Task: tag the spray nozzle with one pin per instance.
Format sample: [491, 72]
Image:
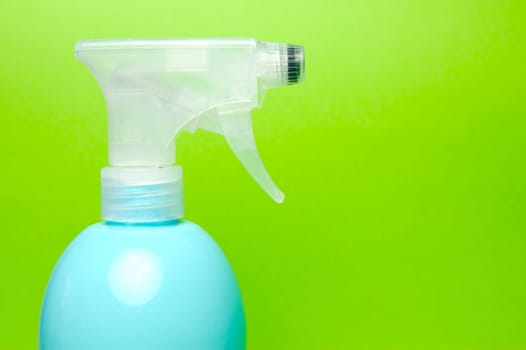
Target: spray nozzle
[156, 88]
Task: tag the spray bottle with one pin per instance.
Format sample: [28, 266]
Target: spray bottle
[144, 279]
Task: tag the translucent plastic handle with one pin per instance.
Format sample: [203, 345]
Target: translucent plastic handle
[237, 129]
[155, 88]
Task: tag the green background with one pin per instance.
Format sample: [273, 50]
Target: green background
[402, 158]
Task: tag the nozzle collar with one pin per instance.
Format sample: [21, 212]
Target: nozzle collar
[133, 195]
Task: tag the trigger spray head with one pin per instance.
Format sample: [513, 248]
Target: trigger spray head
[156, 88]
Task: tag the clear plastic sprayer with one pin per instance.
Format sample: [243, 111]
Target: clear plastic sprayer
[156, 88]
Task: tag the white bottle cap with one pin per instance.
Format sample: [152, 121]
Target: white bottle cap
[142, 194]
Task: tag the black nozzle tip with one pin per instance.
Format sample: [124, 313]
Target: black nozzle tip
[295, 64]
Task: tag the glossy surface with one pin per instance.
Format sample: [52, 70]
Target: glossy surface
[142, 287]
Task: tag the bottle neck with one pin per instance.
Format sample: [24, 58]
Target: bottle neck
[133, 195]
[143, 224]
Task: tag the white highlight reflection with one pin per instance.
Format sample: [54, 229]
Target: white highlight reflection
[135, 276]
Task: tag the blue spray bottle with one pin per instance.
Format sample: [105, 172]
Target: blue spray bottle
[143, 279]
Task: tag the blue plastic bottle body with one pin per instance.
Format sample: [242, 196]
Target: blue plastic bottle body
[142, 287]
